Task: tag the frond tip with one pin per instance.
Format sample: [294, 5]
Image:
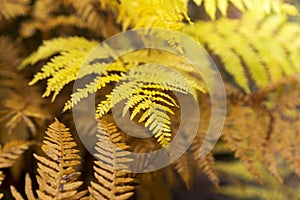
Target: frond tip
[57, 177]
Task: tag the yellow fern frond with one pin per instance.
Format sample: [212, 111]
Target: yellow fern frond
[57, 175]
[263, 6]
[113, 182]
[132, 13]
[256, 51]
[11, 9]
[92, 87]
[72, 53]
[11, 151]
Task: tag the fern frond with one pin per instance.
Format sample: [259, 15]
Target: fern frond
[13, 59]
[250, 50]
[57, 174]
[11, 151]
[183, 168]
[17, 109]
[132, 14]
[2, 176]
[92, 87]
[72, 53]
[95, 17]
[113, 182]
[207, 163]
[138, 97]
[263, 6]
[11, 9]
[29, 28]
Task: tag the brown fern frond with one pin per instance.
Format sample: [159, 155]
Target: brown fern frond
[28, 188]
[11, 151]
[8, 61]
[17, 108]
[13, 8]
[29, 28]
[95, 17]
[184, 169]
[113, 181]
[57, 176]
[15, 193]
[2, 176]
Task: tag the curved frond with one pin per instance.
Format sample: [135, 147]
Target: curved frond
[62, 68]
[57, 177]
[263, 6]
[256, 51]
[113, 182]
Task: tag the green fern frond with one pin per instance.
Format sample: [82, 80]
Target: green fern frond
[250, 49]
[57, 174]
[11, 151]
[113, 182]
[263, 6]
[11, 9]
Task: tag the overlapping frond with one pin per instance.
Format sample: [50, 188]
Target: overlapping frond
[57, 175]
[140, 88]
[253, 49]
[11, 9]
[112, 181]
[265, 6]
